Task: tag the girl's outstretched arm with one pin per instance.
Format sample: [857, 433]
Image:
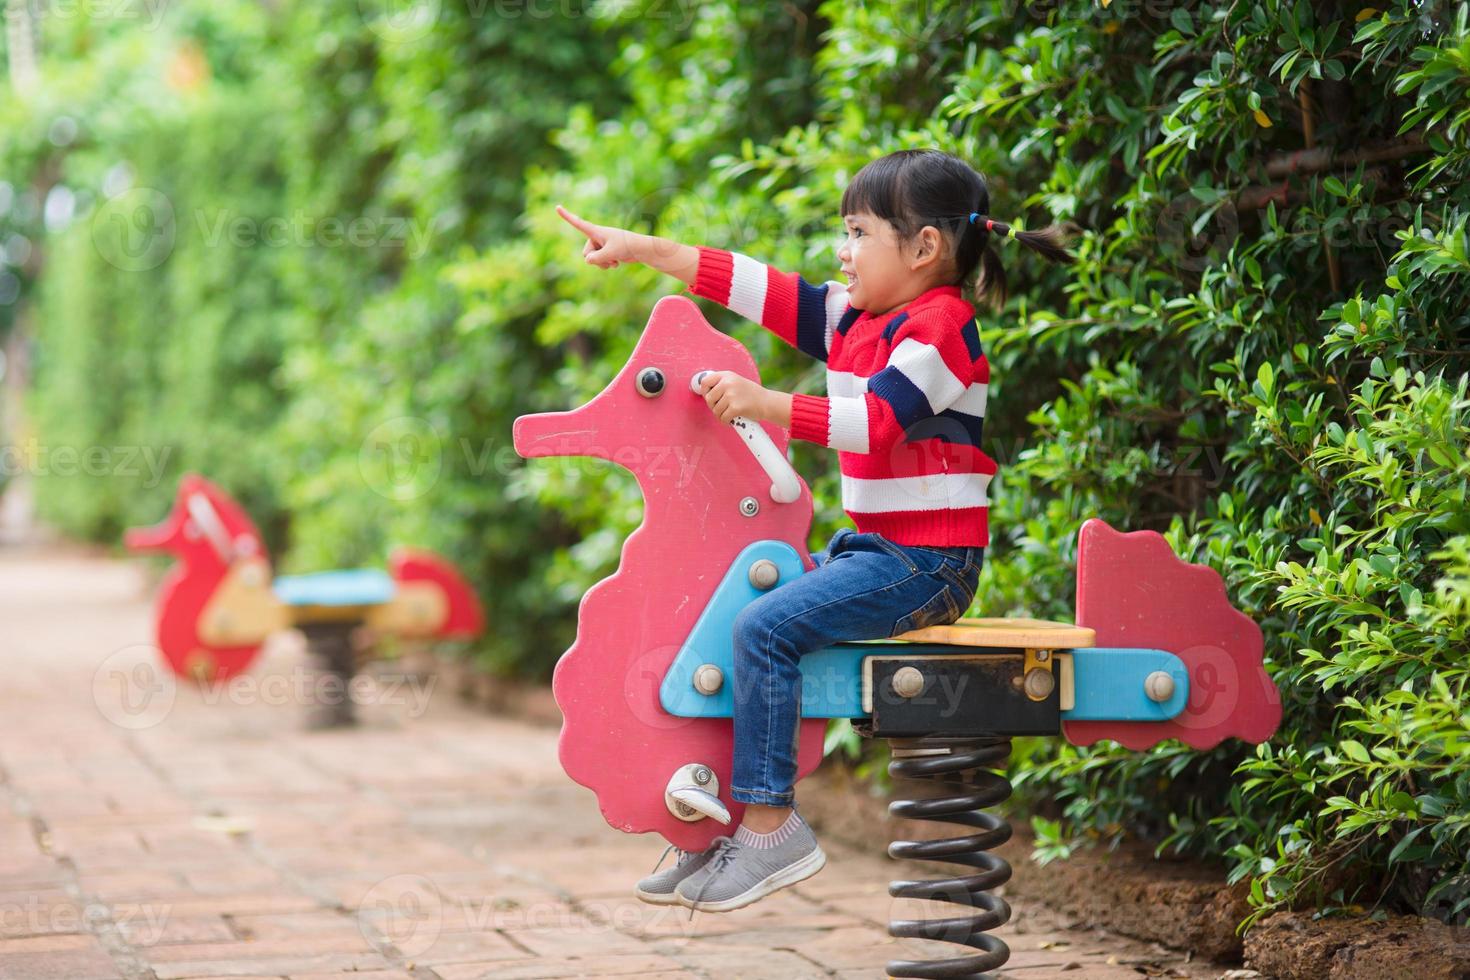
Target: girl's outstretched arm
[803, 314]
[727, 393]
[607, 247]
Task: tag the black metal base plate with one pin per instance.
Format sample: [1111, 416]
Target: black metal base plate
[970, 695]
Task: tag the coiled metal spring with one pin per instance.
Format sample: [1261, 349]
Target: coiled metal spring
[968, 767]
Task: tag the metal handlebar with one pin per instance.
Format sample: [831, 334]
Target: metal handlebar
[785, 484]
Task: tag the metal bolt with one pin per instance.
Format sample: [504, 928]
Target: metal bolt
[764, 574]
[702, 775]
[708, 679]
[1039, 684]
[908, 682]
[1042, 656]
[749, 506]
[1159, 686]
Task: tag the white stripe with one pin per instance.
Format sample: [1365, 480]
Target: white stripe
[847, 424]
[939, 491]
[921, 364]
[972, 402]
[836, 306]
[845, 384]
[748, 287]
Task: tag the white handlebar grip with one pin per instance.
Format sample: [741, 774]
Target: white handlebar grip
[785, 485]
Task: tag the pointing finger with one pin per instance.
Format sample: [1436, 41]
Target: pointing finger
[585, 227]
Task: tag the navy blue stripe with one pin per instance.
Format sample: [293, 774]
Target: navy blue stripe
[972, 339]
[893, 326]
[811, 319]
[848, 319]
[894, 387]
[948, 426]
[961, 428]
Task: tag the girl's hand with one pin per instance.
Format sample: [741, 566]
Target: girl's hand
[606, 247]
[729, 394]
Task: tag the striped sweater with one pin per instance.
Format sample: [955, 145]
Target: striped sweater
[905, 398]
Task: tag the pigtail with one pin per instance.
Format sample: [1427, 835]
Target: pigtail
[1050, 243]
[990, 284]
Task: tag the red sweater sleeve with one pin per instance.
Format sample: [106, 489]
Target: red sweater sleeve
[793, 309]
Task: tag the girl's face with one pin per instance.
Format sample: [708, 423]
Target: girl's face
[882, 272]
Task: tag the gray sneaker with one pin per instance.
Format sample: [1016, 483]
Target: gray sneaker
[738, 874]
[659, 887]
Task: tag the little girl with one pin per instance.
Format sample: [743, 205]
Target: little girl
[906, 388]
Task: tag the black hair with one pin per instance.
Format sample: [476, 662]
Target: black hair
[913, 188]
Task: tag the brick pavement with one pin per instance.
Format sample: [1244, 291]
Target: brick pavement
[152, 832]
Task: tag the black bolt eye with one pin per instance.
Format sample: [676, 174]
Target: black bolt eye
[650, 382]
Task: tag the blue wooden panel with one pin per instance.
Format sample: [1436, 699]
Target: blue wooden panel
[1108, 681]
[711, 641]
[359, 587]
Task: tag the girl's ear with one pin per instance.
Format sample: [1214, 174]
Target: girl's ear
[928, 249]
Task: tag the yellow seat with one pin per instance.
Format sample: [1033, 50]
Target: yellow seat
[1017, 633]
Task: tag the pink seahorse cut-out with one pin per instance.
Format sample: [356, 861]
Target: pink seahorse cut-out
[694, 471]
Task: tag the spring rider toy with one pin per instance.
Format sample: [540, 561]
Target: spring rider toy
[218, 605]
[1157, 651]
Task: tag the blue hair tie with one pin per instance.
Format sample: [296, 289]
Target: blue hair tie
[990, 224]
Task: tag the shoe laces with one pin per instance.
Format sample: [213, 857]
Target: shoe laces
[683, 856]
[725, 849]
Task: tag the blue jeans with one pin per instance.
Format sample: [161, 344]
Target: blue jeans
[864, 587]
